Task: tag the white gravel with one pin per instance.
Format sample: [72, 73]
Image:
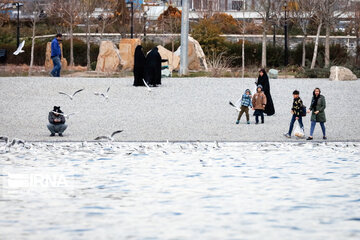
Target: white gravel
[182, 109]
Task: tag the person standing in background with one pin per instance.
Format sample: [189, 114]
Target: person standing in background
[56, 55]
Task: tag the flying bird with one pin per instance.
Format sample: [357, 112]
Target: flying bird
[147, 86]
[233, 105]
[19, 49]
[104, 95]
[109, 138]
[65, 115]
[72, 96]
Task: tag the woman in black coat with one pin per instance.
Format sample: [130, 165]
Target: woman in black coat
[153, 67]
[139, 66]
[263, 80]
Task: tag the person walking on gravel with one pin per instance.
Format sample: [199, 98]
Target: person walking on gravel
[245, 102]
[56, 55]
[318, 105]
[296, 112]
[259, 103]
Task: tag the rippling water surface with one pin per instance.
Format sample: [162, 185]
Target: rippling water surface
[180, 191]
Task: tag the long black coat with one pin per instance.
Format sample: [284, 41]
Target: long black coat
[264, 82]
[139, 66]
[153, 67]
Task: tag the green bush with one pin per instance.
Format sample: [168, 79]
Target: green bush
[168, 46]
[93, 65]
[80, 57]
[314, 73]
[24, 58]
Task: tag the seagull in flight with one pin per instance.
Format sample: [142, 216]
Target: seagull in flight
[72, 96]
[65, 115]
[233, 105]
[147, 86]
[104, 95]
[20, 48]
[109, 138]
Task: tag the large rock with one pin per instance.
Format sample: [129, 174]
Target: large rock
[109, 59]
[48, 61]
[127, 50]
[173, 59]
[341, 74]
[196, 56]
[273, 73]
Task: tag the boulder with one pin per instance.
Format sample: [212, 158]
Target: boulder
[109, 59]
[127, 50]
[341, 74]
[273, 73]
[49, 63]
[173, 59]
[196, 56]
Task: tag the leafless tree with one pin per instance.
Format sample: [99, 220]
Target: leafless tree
[36, 11]
[331, 11]
[109, 14]
[302, 13]
[269, 10]
[88, 7]
[4, 11]
[357, 30]
[69, 11]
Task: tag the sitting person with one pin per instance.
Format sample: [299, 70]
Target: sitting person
[56, 122]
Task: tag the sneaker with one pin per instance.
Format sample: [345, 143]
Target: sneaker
[324, 137]
[52, 135]
[248, 122]
[287, 135]
[60, 135]
[237, 122]
[309, 138]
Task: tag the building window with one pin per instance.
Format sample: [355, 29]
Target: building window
[237, 5]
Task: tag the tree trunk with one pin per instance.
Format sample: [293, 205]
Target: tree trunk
[303, 61]
[263, 53]
[103, 28]
[32, 46]
[71, 44]
[357, 32]
[327, 46]
[88, 42]
[243, 49]
[316, 46]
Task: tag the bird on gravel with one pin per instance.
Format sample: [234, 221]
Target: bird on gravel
[104, 95]
[109, 138]
[5, 139]
[72, 96]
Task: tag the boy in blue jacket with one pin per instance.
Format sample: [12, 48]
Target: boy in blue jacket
[245, 103]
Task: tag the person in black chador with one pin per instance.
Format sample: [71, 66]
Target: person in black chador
[139, 66]
[153, 67]
[263, 80]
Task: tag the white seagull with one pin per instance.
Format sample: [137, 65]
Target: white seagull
[19, 49]
[103, 94]
[72, 96]
[233, 105]
[5, 139]
[147, 86]
[109, 138]
[65, 115]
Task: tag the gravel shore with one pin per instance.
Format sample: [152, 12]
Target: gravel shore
[182, 109]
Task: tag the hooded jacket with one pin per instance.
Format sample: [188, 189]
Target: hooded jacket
[259, 100]
[245, 99]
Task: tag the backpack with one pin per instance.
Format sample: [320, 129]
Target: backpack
[303, 111]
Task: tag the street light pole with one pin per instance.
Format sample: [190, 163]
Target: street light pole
[286, 55]
[18, 25]
[145, 25]
[184, 38]
[132, 20]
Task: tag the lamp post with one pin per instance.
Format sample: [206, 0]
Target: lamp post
[286, 55]
[130, 5]
[17, 5]
[145, 25]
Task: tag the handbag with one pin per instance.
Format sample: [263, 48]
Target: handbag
[303, 111]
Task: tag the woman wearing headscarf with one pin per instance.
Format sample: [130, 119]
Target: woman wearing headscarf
[318, 105]
[263, 80]
[153, 67]
[139, 66]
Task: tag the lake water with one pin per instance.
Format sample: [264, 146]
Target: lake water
[180, 191]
